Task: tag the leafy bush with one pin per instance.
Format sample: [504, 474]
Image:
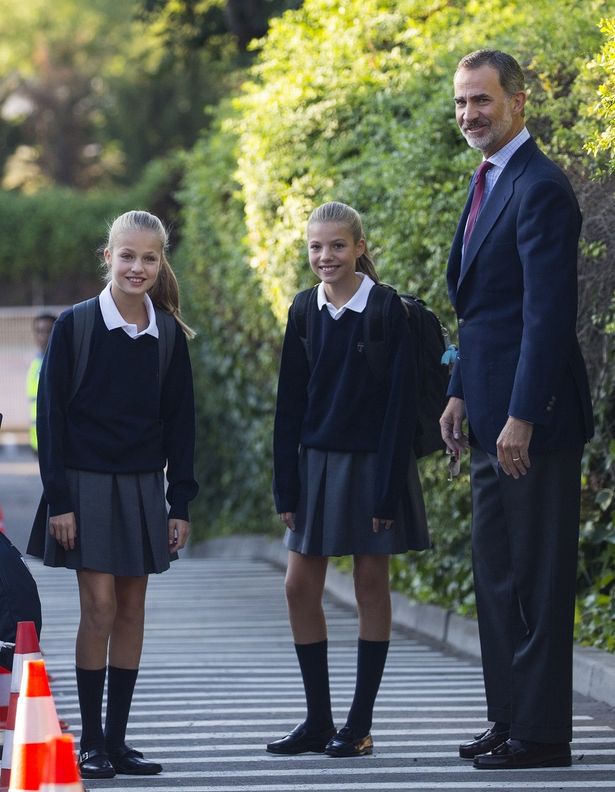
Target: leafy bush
[602, 111]
[233, 357]
[49, 240]
[352, 100]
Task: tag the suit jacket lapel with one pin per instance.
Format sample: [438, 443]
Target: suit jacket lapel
[499, 197]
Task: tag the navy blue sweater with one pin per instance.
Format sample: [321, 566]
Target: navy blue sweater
[341, 406]
[118, 421]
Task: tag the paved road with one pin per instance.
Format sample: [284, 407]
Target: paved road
[20, 491]
[219, 679]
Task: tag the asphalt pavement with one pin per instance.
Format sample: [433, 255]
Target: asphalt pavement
[219, 679]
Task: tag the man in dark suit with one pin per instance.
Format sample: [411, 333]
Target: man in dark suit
[520, 382]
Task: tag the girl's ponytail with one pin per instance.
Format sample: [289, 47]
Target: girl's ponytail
[165, 294]
[366, 265]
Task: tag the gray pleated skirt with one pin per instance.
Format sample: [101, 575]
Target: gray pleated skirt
[121, 524]
[336, 506]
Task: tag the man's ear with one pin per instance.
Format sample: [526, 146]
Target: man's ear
[518, 102]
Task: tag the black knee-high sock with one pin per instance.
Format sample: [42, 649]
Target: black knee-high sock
[90, 687]
[371, 657]
[315, 672]
[119, 698]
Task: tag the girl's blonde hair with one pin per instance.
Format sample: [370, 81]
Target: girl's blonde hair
[165, 291]
[337, 212]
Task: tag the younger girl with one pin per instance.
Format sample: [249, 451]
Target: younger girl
[353, 488]
[102, 451]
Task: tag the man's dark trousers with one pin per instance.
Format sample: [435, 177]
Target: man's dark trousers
[524, 546]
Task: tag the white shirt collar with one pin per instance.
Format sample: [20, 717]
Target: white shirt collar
[503, 155]
[500, 159]
[114, 319]
[356, 303]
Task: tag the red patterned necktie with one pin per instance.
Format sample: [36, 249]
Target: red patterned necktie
[479, 191]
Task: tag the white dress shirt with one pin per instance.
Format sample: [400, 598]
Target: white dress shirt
[500, 159]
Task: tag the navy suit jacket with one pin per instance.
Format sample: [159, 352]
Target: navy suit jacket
[515, 293]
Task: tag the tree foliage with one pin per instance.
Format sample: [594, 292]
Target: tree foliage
[91, 92]
[192, 23]
[352, 100]
[51, 60]
[602, 112]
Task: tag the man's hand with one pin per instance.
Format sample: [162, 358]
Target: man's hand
[512, 445]
[63, 528]
[451, 426]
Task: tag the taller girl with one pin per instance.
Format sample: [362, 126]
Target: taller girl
[105, 437]
[353, 488]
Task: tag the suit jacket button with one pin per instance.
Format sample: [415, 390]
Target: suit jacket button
[461, 322]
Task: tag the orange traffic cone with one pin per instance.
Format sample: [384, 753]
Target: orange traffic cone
[60, 773]
[26, 648]
[5, 694]
[35, 723]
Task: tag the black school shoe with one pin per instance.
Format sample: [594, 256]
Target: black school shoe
[483, 743]
[128, 761]
[95, 764]
[348, 743]
[519, 754]
[300, 740]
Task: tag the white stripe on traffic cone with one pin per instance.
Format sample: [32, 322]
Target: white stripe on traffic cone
[5, 694]
[26, 648]
[36, 721]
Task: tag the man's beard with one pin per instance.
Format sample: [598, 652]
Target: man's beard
[491, 134]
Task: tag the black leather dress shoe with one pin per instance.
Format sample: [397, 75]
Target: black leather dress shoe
[95, 764]
[128, 761]
[348, 743]
[520, 754]
[300, 740]
[482, 743]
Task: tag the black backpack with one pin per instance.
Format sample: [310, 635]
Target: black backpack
[19, 600]
[432, 345]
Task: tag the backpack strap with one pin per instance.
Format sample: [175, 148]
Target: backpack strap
[376, 328]
[302, 316]
[166, 341]
[84, 314]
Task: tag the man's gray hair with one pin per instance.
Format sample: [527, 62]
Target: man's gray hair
[510, 73]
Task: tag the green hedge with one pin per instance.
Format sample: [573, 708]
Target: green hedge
[50, 239]
[233, 357]
[352, 100]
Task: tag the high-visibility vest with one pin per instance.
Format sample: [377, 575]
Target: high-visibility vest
[32, 378]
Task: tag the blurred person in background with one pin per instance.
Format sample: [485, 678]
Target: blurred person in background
[41, 327]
